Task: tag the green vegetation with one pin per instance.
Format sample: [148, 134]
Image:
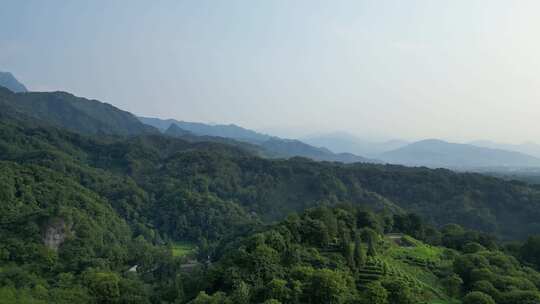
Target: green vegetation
[113, 219]
[182, 249]
[73, 113]
[306, 260]
[165, 167]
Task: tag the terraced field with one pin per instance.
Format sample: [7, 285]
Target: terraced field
[414, 264]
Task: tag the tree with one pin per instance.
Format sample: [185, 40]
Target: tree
[347, 248]
[277, 289]
[465, 264]
[349, 252]
[104, 286]
[328, 287]
[366, 219]
[241, 293]
[521, 297]
[473, 247]
[316, 232]
[204, 298]
[399, 292]
[411, 224]
[530, 251]
[374, 293]
[453, 284]
[477, 297]
[370, 236]
[487, 288]
[359, 255]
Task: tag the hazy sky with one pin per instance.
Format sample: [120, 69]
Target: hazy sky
[458, 70]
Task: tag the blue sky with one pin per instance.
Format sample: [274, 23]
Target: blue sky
[458, 70]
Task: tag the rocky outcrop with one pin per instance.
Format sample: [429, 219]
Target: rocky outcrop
[55, 232]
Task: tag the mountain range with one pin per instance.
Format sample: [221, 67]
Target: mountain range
[39, 128]
[343, 142]
[227, 131]
[476, 155]
[526, 148]
[98, 207]
[94, 117]
[432, 153]
[438, 153]
[270, 146]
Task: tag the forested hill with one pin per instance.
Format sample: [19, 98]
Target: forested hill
[341, 255]
[89, 217]
[270, 189]
[168, 169]
[73, 113]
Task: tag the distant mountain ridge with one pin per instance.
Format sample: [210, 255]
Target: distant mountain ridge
[342, 142]
[73, 113]
[438, 153]
[7, 80]
[94, 117]
[88, 116]
[228, 131]
[272, 146]
[530, 148]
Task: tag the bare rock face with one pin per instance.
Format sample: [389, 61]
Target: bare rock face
[55, 232]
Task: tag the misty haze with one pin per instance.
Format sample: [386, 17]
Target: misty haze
[272, 152]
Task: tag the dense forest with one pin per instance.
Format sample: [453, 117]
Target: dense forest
[90, 215]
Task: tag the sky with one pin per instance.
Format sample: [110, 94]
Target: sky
[458, 70]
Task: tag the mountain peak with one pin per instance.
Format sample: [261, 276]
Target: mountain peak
[9, 81]
[74, 113]
[431, 141]
[439, 153]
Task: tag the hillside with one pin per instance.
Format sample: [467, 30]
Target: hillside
[269, 152]
[97, 218]
[437, 153]
[273, 147]
[62, 242]
[73, 113]
[7, 80]
[271, 189]
[176, 132]
[341, 255]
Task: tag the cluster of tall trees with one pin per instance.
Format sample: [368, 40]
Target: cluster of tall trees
[331, 255]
